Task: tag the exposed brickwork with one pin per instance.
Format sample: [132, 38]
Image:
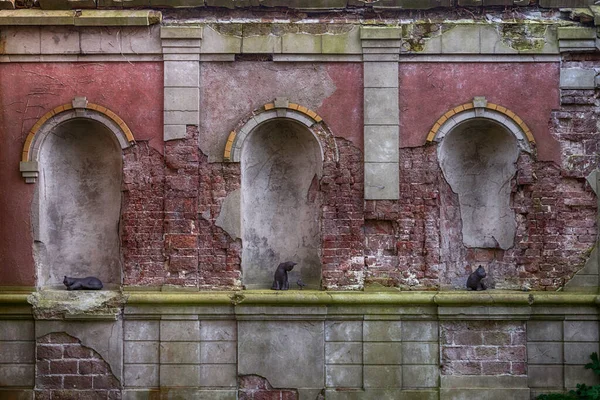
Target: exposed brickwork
[406, 255]
[67, 370]
[219, 255]
[483, 348]
[142, 216]
[180, 207]
[254, 387]
[170, 206]
[342, 219]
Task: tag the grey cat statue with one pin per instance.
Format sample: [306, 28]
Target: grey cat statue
[475, 280]
[88, 283]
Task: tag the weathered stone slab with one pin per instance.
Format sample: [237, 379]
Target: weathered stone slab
[17, 375]
[16, 330]
[382, 376]
[577, 78]
[545, 376]
[218, 352]
[581, 331]
[343, 352]
[342, 331]
[381, 143]
[544, 352]
[180, 330]
[382, 331]
[381, 181]
[420, 331]
[220, 375]
[140, 352]
[264, 349]
[346, 376]
[140, 375]
[544, 330]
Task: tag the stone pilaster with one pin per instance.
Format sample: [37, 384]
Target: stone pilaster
[381, 49]
[181, 54]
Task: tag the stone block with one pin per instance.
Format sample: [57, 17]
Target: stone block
[141, 40]
[381, 106]
[544, 352]
[181, 118]
[420, 331]
[17, 375]
[264, 349]
[577, 78]
[60, 40]
[382, 331]
[141, 330]
[140, 375]
[17, 352]
[346, 43]
[343, 352]
[223, 375]
[268, 44]
[579, 352]
[140, 352]
[218, 352]
[343, 331]
[21, 40]
[346, 376]
[420, 376]
[116, 18]
[216, 42]
[576, 32]
[576, 374]
[301, 43]
[218, 330]
[383, 353]
[100, 41]
[179, 375]
[382, 376]
[461, 39]
[179, 352]
[487, 394]
[174, 132]
[375, 33]
[380, 74]
[21, 330]
[181, 32]
[420, 353]
[382, 181]
[381, 143]
[182, 99]
[179, 330]
[581, 331]
[542, 331]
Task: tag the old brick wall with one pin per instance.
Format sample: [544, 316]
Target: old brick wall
[170, 208]
[65, 369]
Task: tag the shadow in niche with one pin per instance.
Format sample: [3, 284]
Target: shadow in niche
[281, 164]
[76, 221]
[478, 159]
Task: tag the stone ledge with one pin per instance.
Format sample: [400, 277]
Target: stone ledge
[489, 298]
[79, 18]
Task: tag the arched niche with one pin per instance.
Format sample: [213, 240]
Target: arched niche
[478, 159]
[281, 163]
[78, 199]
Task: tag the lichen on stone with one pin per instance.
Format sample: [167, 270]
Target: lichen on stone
[523, 36]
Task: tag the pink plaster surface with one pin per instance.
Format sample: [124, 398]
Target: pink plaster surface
[27, 92]
[530, 90]
[343, 110]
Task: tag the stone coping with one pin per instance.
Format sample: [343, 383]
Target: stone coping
[488, 298]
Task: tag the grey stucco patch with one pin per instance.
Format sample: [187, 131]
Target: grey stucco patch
[229, 217]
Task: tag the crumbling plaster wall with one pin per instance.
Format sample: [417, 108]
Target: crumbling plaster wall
[27, 92]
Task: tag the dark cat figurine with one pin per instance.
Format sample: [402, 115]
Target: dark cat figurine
[475, 280]
[280, 282]
[89, 283]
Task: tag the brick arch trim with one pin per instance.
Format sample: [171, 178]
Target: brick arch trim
[79, 108]
[480, 108]
[278, 109]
